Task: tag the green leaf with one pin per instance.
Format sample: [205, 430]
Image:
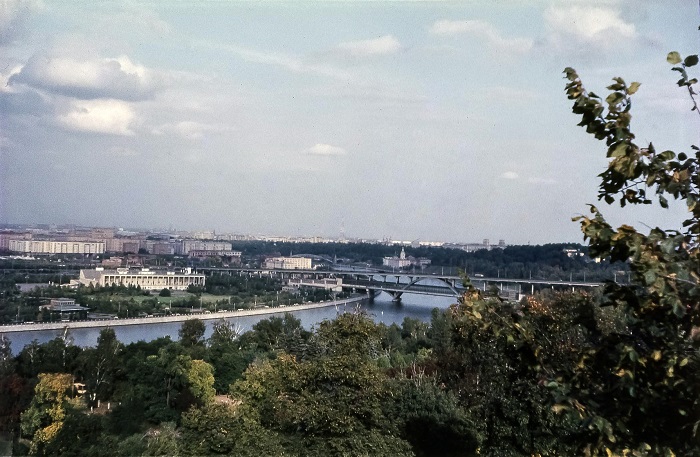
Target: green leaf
[673, 58]
[690, 61]
[614, 98]
[633, 88]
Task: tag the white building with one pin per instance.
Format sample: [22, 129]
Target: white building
[288, 263]
[397, 262]
[146, 278]
[57, 247]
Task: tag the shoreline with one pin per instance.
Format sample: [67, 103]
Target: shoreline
[15, 328]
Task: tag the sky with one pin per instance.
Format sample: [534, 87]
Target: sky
[405, 120]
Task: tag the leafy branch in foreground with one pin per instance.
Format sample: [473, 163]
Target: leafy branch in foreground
[637, 393]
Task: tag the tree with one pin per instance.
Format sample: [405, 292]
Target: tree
[44, 418]
[226, 356]
[192, 332]
[639, 391]
[7, 363]
[227, 429]
[100, 365]
[328, 400]
[164, 293]
[497, 364]
[277, 333]
[200, 380]
[223, 335]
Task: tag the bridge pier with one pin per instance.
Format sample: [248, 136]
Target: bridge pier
[395, 296]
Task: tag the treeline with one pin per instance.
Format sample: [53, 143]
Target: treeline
[483, 377]
[548, 261]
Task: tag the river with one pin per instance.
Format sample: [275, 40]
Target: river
[381, 310]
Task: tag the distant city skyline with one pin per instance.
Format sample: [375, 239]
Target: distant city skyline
[410, 120]
[204, 234]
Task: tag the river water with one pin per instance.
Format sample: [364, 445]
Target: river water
[381, 310]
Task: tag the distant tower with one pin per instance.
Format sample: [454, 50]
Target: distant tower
[403, 254]
[342, 232]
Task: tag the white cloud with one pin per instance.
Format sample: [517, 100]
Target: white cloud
[483, 31]
[572, 27]
[117, 78]
[325, 150]
[376, 46]
[509, 175]
[100, 116]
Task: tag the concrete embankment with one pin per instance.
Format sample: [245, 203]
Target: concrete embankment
[174, 318]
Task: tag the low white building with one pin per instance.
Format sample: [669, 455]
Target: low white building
[145, 278]
[288, 263]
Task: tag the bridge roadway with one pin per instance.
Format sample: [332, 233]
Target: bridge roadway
[393, 289]
[366, 280]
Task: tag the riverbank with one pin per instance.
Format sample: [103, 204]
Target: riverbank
[14, 328]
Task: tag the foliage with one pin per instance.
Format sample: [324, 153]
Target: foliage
[225, 429]
[285, 333]
[497, 362]
[200, 380]
[44, 418]
[652, 370]
[100, 365]
[430, 418]
[329, 402]
[192, 332]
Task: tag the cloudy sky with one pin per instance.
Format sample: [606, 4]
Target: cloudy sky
[410, 120]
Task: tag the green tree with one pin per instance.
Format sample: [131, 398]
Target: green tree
[226, 355]
[639, 391]
[329, 400]
[200, 380]
[192, 333]
[162, 441]
[227, 429]
[223, 335]
[430, 418]
[496, 364]
[100, 365]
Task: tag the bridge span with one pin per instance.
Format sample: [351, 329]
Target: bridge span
[396, 284]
